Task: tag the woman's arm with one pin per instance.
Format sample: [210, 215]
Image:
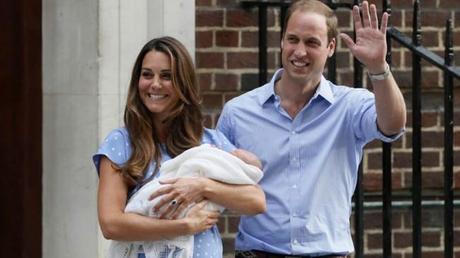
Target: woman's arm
[246, 199]
[118, 225]
[182, 191]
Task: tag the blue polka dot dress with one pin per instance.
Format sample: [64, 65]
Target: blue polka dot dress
[117, 148]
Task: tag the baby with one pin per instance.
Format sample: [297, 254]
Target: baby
[239, 167]
[247, 157]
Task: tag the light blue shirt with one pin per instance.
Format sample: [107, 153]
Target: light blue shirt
[310, 165]
[117, 148]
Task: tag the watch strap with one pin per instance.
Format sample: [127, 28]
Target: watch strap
[380, 76]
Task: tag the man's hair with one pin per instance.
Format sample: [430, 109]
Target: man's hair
[314, 6]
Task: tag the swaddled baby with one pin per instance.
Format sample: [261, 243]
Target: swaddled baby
[203, 161]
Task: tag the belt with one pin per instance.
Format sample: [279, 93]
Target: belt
[263, 254]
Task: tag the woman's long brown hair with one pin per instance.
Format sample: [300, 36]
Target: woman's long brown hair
[184, 123]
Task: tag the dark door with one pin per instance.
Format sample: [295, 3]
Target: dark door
[21, 128]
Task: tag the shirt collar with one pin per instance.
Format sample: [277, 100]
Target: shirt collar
[324, 89]
[268, 90]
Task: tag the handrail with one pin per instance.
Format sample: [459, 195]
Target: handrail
[277, 3]
[416, 200]
[423, 52]
[392, 31]
[408, 204]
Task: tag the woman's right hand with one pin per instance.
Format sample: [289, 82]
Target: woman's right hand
[199, 219]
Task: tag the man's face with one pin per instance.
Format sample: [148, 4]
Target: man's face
[305, 47]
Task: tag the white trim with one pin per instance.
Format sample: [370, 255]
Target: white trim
[124, 27]
[173, 18]
[89, 49]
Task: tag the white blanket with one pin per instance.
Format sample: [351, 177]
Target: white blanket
[201, 161]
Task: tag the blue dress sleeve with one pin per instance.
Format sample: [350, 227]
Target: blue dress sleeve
[116, 147]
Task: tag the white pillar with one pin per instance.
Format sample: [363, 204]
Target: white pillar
[89, 48]
[125, 26]
[70, 124]
[173, 18]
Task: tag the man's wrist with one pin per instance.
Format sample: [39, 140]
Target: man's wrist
[381, 76]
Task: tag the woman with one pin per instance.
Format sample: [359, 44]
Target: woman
[163, 119]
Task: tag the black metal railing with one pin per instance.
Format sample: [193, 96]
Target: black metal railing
[416, 136]
[448, 144]
[419, 53]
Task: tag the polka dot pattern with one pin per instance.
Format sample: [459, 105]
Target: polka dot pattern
[208, 244]
[117, 148]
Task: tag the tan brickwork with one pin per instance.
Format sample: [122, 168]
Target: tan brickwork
[227, 64]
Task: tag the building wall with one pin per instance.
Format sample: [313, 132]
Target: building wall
[70, 74]
[88, 51]
[227, 63]
[89, 48]
[21, 128]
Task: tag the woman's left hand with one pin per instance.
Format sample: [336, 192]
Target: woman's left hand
[178, 194]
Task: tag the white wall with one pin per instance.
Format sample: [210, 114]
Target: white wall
[70, 72]
[124, 27]
[89, 48]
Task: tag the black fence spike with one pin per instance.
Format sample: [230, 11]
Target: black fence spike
[448, 145]
[387, 168]
[416, 137]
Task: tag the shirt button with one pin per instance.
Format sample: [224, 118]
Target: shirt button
[296, 242]
[294, 186]
[293, 132]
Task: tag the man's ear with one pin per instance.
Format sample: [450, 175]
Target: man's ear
[331, 47]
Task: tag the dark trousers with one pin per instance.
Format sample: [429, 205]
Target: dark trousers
[262, 254]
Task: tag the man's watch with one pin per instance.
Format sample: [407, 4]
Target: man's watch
[380, 76]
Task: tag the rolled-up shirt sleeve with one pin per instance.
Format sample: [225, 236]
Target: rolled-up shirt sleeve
[365, 119]
[224, 124]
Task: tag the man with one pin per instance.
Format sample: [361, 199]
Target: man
[310, 134]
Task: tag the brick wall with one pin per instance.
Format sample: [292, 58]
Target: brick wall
[227, 65]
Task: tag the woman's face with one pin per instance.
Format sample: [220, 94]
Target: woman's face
[155, 85]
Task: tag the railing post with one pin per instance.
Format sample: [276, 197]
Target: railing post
[418, 53]
[386, 167]
[332, 61]
[416, 138]
[262, 44]
[448, 146]
[332, 68]
[283, 10]
[359, 192]
[359, 214]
